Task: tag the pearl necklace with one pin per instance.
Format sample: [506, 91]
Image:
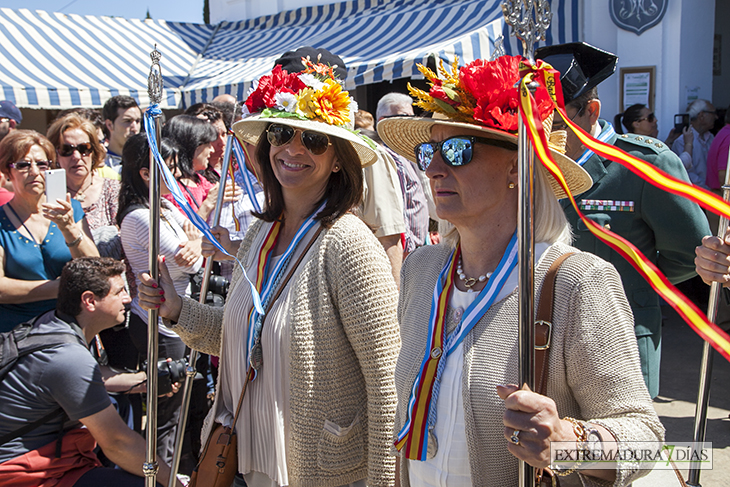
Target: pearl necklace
[470, 282]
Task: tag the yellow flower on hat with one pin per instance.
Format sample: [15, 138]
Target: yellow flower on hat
[329, 104]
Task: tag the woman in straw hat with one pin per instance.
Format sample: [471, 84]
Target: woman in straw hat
[320, 406]
[460, 418]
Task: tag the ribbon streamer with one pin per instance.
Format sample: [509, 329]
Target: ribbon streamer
[171, 183]
[686, 309]
[246, 175]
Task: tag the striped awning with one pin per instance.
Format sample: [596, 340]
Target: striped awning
[53, 60]
[378, 40]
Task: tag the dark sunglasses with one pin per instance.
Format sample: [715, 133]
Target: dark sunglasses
[67, 150]
[649, 118]
[455, 151]
[25, 165]
[315, 142]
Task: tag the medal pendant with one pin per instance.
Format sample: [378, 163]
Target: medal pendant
[433, 445]
[257, 356]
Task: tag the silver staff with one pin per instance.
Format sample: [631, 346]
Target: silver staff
[529, 20]
[703, 395]
[154, 89]
[190, 370]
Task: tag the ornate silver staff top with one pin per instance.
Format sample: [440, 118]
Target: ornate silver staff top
[529, 20]
[155, 84]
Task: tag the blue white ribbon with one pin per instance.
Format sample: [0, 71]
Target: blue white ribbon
[171, 183]
[246, 176]
[604, 136]
[271, 282]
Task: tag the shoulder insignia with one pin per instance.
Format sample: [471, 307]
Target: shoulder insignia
[643, 141]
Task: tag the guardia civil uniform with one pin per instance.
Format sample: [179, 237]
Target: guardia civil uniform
[665, 227]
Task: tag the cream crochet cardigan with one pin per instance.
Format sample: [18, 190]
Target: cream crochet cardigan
[344, 345]
[594, 370]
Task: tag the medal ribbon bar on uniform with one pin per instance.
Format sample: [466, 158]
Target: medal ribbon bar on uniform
[686, 309]
[266, 281]
[424, 394]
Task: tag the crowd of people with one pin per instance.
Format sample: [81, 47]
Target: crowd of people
[366, 329]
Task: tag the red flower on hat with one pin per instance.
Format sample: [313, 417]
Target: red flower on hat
[437, 91]
[279, 81]
[493, 85]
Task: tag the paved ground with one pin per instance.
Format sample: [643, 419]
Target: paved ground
[675, 405]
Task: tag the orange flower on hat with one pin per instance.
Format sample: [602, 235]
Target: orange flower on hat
[329, 104]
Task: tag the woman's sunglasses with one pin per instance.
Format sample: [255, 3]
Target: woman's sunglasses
[315, 142]
[455, 151]
[649, 118]
[24, 166]
[67, 150]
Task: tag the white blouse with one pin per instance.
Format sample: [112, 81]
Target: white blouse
[263, 424]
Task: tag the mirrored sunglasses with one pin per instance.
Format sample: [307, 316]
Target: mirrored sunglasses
[67, 150]
[25, 165]
[315, 142]
[455, 151]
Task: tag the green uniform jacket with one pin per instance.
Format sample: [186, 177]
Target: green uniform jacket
[666, 228]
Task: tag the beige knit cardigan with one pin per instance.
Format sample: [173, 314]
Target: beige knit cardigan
[344, 345]
[594, 370]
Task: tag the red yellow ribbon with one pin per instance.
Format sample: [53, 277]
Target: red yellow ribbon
[686, 309]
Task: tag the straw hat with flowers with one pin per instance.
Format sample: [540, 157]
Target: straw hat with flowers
[480, 96]
[309, 100]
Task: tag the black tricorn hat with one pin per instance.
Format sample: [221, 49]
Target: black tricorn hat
[581, 66]
[291, 61]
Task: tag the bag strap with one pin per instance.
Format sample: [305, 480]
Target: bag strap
[23, 430]
[544, 324]
[268, 308]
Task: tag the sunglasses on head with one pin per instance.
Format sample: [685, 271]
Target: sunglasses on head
[455, 151]
[315, 142]
[25, 165]
[67, 150]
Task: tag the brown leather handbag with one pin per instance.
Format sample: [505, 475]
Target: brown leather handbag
[218, 463]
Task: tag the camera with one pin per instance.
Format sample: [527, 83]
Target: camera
[681, 120]
[217, 288]
[169, 372]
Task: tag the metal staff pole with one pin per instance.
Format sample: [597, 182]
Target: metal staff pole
[154, 89]
[190, 370]
[528, 19]
[703, 395]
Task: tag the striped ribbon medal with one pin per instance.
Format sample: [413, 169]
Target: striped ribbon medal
[267, 281]
[606, 134]
[417, 436]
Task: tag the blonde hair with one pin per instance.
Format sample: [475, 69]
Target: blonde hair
[551, 224]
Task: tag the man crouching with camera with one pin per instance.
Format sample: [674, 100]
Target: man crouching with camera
[59, 392]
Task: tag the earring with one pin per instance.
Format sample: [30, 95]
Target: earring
[511, 185]
[337, 167]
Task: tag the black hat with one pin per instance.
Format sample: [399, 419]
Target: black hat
[291, 61]
[581, 66]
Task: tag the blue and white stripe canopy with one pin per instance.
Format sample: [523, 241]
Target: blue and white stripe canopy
[53, 60]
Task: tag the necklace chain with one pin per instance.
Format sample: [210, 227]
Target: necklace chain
[470, 282]
[79, 195]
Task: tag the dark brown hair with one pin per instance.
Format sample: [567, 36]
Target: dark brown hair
[75, 121]
[16, 145]
[343, 191]
[85, 274]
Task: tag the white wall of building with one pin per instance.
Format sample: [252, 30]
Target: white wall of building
[721, 83]
[680, 47]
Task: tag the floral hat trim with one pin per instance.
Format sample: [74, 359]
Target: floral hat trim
[313, 94]
[482, 93]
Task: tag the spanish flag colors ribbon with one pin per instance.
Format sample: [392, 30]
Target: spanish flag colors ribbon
[414, 435]
[686, 309]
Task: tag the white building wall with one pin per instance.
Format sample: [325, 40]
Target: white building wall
[680, 47]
